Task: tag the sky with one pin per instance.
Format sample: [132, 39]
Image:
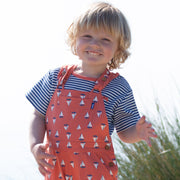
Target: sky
[32, 41]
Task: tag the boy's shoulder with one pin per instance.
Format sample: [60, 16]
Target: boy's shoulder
[54, 71]
[118, 89]
[122, 83]
[52, 74]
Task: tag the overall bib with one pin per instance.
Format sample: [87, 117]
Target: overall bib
[78, 132]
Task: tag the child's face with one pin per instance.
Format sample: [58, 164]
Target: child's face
[95, 47]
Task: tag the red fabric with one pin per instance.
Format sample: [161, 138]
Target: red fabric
[78, 133]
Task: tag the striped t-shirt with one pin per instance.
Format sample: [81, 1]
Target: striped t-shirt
[120, 108]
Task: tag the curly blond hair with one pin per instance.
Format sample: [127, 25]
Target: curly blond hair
[103, 15]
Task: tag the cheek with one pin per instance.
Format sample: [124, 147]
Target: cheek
[79, 45]
[111, 51]
[114, 50]
[79, 49]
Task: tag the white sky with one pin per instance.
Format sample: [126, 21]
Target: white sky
[32, 41]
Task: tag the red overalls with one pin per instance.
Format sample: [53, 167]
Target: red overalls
[78, 132]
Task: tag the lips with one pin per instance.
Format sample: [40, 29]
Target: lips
[94, 53]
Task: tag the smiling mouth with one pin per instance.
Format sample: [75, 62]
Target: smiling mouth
[93, 53]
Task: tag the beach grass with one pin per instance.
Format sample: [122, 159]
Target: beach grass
[159, 162]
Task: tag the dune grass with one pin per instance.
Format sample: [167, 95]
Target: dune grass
[162, 160]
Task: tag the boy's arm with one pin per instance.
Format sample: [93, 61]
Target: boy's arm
[141, 131]
[37, 129]
[38, 149]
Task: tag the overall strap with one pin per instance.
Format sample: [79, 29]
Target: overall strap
[104, 80]
[64, 74]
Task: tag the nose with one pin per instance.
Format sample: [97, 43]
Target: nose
[95, 42]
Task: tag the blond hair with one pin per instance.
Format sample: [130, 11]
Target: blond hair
[104, 15]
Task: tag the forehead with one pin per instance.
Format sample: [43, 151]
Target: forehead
[97, 31]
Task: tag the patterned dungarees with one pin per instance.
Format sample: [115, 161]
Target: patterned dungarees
[78, 132]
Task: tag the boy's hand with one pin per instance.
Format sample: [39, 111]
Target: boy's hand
[41, 157]
[145, 131]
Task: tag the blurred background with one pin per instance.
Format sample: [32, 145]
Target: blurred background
[32, 41]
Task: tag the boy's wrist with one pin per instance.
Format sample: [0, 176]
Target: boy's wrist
[33, 146]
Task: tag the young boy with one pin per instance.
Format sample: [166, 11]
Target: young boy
[79, 106]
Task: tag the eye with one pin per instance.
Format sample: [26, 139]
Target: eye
[106, 40]
[87, 36]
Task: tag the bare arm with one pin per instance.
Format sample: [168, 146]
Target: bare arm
[38, 149]
[37, 129]
[141, 131]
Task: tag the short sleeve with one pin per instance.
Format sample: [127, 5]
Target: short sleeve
[40, 95]
[126, 113]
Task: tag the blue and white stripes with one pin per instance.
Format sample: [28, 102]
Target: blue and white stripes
[120, 108]
[79, 84]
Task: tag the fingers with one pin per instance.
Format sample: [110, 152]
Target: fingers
[145, 130]
[41, 156]
[39, 151]
[141, 120]
[43, 171]
[45, 164]
[148, 125]
[42, 161]
[148, 141]
[152, 134]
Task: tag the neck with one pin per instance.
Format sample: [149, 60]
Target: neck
[90, 71]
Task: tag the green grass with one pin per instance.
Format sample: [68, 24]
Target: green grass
[162, 160]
